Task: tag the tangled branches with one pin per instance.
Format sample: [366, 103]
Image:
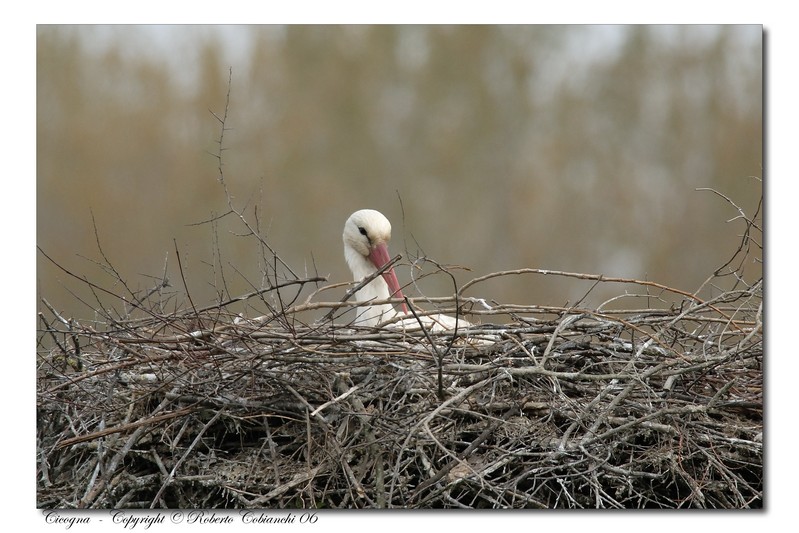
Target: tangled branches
[564, 407]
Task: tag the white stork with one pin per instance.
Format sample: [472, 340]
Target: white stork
[366, 236]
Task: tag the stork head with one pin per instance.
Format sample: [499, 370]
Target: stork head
[366, 236]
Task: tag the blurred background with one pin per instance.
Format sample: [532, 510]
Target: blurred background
[574, 148]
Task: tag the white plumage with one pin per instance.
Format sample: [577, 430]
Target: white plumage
[366, 236]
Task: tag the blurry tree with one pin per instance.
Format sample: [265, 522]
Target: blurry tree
[574, 148]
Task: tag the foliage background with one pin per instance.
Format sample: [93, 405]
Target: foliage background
[572, 148]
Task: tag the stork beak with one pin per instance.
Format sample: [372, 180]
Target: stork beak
[379, 257]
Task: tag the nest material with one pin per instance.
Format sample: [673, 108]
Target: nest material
[557, 408]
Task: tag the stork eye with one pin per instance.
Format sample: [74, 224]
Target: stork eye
[363, 232]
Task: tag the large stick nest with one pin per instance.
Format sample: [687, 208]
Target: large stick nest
[561, 407]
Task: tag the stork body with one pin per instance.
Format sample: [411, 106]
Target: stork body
[366, 236]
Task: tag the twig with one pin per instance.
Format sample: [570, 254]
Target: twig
[183, 457]
[156, 419]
